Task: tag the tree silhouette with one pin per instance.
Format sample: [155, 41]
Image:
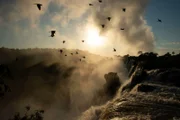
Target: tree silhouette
[167, 54]
[140, 52]
[4, 72]
[36, 115]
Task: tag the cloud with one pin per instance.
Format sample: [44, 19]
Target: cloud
[164, 50]
[171, 43]
[136, 36]
[75, 8]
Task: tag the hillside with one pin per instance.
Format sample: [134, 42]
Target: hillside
[144, 87]
[151, 93]
[45, 79]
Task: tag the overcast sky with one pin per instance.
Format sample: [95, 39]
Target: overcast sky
[22, 25]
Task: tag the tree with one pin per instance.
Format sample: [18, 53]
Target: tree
[173, 52]
[37, 115]
[140, 52]
[167, 54]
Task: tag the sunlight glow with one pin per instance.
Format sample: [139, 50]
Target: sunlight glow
[94, 39]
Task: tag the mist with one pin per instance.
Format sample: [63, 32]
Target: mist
[61, 85]
[137, 35]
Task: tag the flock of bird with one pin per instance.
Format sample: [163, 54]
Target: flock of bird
[39, 5]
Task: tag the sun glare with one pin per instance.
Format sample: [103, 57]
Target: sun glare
[94, 39]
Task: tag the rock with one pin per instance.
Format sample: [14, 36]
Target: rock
[112, 83]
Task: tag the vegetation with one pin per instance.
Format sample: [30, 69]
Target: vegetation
[150, 60]
[37, 115]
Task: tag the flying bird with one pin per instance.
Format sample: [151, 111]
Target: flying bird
[100, 1]
[159, 20]
[124, 9]
[41, 111]
[103, 25]
[38, 5]
[61, 51]
[64, 41]
[28, 108]
[53, 33]
[109, 18]
[90, 4]
[114, 50]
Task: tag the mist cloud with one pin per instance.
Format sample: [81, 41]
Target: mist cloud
[45, 79]
[136, 36]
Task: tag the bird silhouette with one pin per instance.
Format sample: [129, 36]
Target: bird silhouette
[61, 51]
[109, 18]
[38, 5]
[122, 28]
[64, 41]
[159, 20]
[41, 111]
[90, 4]
[114, 50]
[53, 33]
[100, 1]
[124, 9]
[27, 108]
[103, 25]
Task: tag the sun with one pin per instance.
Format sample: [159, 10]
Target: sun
[94, 39]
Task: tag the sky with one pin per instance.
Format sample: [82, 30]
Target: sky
[22, 25]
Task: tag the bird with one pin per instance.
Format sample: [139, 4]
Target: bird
[109, 18]
[103, 25]
[38, 5]
[64, 41]
[41, 111]
[124, 9]
[114, 50]
[53, 33]
[82, 40]
[100, 1]
[90, 4]
[61, 51]
[159, 20]
[122, 28]
[71, 53]
[27, 108]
